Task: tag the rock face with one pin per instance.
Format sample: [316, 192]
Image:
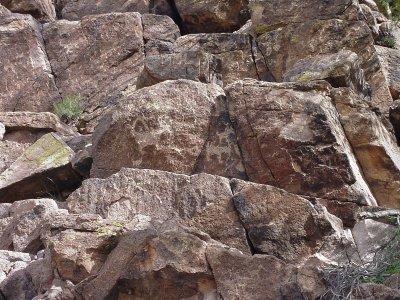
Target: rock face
[40, 9]
[26, 79]
[106, 51]
[212, 16]
[203, 201]
[390, 60]
[42, 168]
[290, 137]
[170, 137]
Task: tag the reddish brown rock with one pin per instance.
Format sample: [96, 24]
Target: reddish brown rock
[239, 56]
[26, 82]
[172, 136]
[42, 10]
[99, 51]
[290, 136]
[212, 16]
[202, 201]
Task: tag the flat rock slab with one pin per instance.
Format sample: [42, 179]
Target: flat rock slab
[26, 82]
[290, 136]
[42, 168]
[203, 201]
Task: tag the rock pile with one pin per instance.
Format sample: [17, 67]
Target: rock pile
[221, 149]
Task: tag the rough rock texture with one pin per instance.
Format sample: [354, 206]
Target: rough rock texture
[40, 9]
[43, 168]
[4, 11]
[203, 201]
[375, 148]
[390, 61]
[278, 223]
[26, 80]
[290, 136]
[212, 16]
[172, 136]
[239, 56]
[104, 50]
[394, 114]
[75, 10]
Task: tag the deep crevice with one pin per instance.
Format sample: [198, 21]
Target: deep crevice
[177, 18]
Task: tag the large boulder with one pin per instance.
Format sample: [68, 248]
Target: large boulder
[240, 57]
[104, 51]
[390, 61]
[26, 82]
[374, 146]
[281, 224]
[42, 10]
[172, 135]
[290, 136]
[212, 16]
[43, 169]
[203, 201]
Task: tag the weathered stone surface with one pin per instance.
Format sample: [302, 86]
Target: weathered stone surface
[4, 11]
[22, 232]
[75, 10]
[375, 148]
[148, 263]
[390, 61]
[26, 82]
[40, 9]
[162, 28]
[99, 51]
[290, 136]
[28, 127]
[257, 277]
[212, 16]
[340, 69]
[372, 291]
[43, 168]
[394, 116]
[239, 56]
[203, 201]
[9, 152]
[270, 15]
[192, 65]
[141, 132]
[370, 235]
[285, 46]
[279, 223]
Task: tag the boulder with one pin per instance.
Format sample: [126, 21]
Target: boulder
[202, 201]
[256, 277]
[390, 62]
[42, 169]
[173, 135]
[370, 236]
[104, 51]
[212, 16]
[240, 58]
[162, 28]
[374, 146]
[193, 65]
[278, 223]
[290, 137]
[76, 10]
[148, 263]
[26, 82]
[42, 10]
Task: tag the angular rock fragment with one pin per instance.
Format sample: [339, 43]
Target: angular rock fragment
[192, 65]
[290, 137]
[237, 52]
[99, 51]
[212, 16]
[42, 10]
[374, 146]
[26, 82]
[390, 61]
[279, 223]
[202, 201]
[76, 10]
[43, 168]
[257, 277]
[171, 135]
[162, 28]
[4, 11]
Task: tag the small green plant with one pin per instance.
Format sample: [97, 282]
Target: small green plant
[69, 109]
[389, 41]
